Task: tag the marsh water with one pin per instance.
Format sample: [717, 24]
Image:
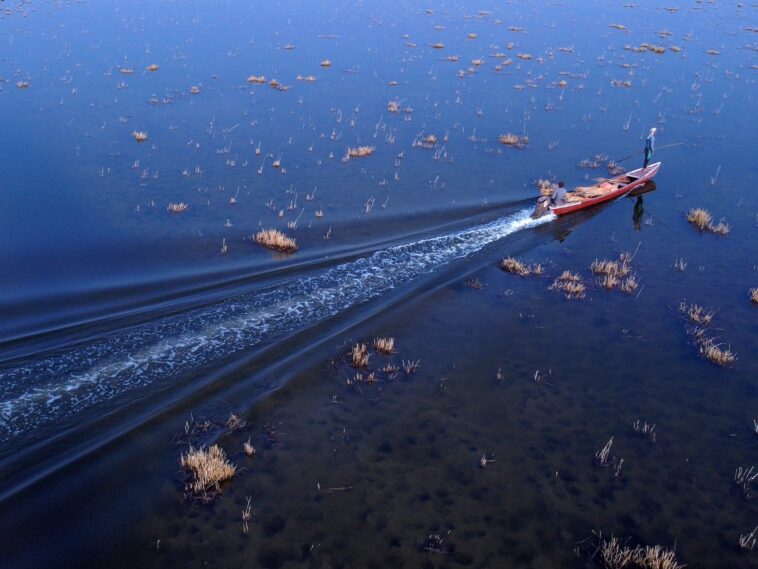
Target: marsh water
[128, 332]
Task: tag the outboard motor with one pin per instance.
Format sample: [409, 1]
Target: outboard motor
[543, 207]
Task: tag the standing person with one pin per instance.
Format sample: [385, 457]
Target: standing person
[649, 147]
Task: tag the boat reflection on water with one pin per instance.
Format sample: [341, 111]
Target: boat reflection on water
[562, 227]
[639, 206]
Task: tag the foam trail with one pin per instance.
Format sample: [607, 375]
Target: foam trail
[59, 386]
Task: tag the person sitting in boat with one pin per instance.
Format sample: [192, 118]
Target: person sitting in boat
[649, 147]
[559, 195]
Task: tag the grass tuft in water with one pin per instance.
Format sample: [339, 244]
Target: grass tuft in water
[614, 555]
[384, 345]
[703, 220]
[713, 352]
[513, 265]
[697, 314]
[570, 284]
[700, 218]
[206, 470]
[275, 239]
[359, 356]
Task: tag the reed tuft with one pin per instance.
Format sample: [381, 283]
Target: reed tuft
[206, 470]
[700, 218]
[384, 345]
[274, 239]
[570, 284]
[629, 285]
[613, 555]
[716, 354]
[359, 356]
[512, 265]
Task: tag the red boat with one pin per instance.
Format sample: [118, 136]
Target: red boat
[587, 196]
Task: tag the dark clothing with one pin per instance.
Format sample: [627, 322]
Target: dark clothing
[649, 149]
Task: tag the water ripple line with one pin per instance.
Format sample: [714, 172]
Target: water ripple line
[59, 386]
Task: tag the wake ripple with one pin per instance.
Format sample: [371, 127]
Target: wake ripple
[61, 385]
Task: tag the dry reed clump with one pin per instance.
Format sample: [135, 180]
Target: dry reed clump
[257, 79]
[249, 449]
[359, 356]
[703, 220]
[697, 314]
[152, 67]
[747, 540]
[713, 352]
[570, 284]
[326, 63]
[754, 295]
[615, 556]
[411, 366]
[195, 90]
[721, 228]
[274, 239]
[360, 151]
[644, 429]
[609, 281]
[139, 135]
[700, 218]
[512, 265]
[744, 477]
[180, 207]
[510, 139]
[629, 285]
[390, 370]
[707, 346]
[384, 345]
[393, 107]
[206, 470]
[613, 271]
[429, 141]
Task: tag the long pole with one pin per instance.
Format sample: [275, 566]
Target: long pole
[659, 148]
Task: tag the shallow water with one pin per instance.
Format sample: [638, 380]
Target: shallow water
[121, 320]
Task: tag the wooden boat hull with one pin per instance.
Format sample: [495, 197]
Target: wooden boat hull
[641, 176]
[625, 184]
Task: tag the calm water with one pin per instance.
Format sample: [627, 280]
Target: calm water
[119, 321]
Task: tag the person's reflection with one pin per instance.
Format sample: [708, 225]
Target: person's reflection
[639, 211]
